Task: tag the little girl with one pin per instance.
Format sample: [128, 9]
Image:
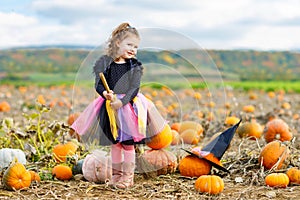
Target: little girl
[133, 118]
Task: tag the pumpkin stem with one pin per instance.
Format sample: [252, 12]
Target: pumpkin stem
[15, 160]
[277, 136]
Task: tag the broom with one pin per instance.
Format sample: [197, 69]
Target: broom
[143, 166]
[102, 77]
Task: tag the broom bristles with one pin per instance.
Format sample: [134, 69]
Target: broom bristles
[143, 166]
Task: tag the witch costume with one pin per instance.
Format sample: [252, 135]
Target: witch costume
[134, 123]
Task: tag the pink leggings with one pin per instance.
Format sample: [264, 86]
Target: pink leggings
[122, 153]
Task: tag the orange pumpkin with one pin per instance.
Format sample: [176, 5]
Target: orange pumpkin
[274, 153]
[271, 94]
[249, 108]
[16, 177]
[62, 151]
[250, 129]
[41, 99]
[210, 184]
[294, 175]
[252, 96]
[277, 129]
[286, 105]
[4, 106]
[232, 120]
[277, 180]
[162, 139]
[193, 166]
[197, 95]
[22, 89]
[62, 172]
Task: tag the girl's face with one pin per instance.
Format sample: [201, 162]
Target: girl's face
[127, 47]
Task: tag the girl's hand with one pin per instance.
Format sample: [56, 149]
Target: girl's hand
[116, 104]
[108, 95]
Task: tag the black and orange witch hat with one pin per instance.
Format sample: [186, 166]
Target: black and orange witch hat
[216, 148]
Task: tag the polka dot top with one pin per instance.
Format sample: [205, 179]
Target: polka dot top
[122, 78]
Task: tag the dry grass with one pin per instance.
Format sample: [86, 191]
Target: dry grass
[246, 178]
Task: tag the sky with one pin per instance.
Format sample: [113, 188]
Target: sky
[212, 24]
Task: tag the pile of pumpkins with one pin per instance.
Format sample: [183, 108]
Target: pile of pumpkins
[274, 155]
[187, 132]
[158, 160]
[61, 152]
[162, 161]
[95, 167]
[191, 132]
[195, 167]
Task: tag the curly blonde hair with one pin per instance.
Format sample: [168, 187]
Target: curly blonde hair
[119, 34]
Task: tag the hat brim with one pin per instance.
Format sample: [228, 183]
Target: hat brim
[209, 161]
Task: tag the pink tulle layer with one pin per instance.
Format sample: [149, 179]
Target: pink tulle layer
[136, 121]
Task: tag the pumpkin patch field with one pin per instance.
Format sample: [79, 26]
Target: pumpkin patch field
[41, 157]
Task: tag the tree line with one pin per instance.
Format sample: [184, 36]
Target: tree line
[246, 64]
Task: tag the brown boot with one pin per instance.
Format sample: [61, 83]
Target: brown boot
[128, 175]
[117, 173]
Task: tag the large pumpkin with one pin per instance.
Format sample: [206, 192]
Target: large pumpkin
[274, 153]
[162, 139]
[62, 151]
[277, 129]
[193, 166]
[7, 155]
[157, 162]
[277, 180]
[96, 167]
[210, 184]
[16, 177]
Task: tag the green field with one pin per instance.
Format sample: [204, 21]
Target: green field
[43, 79]
[289, 86]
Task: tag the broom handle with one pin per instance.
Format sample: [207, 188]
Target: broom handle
[102, 77]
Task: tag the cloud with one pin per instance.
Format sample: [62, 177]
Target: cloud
[22, 30]
[211, 23]
[14, 28]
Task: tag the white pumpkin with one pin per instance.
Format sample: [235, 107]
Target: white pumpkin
[7, 155]
[96, 167]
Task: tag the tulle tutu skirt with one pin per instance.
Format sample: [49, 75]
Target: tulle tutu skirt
[136, 122]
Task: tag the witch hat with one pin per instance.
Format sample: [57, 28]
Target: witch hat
[216, 148]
